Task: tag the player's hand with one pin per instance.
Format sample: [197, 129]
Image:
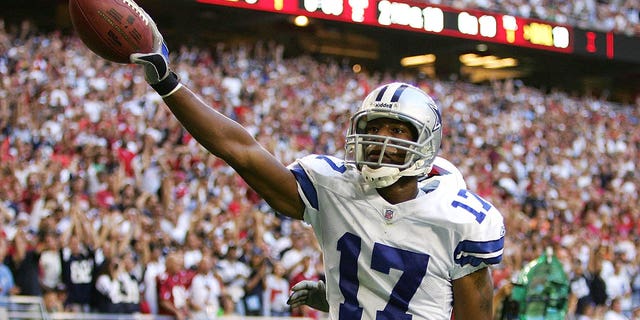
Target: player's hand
[156, 64]
[311, 293]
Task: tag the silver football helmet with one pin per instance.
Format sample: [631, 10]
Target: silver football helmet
[399, 101]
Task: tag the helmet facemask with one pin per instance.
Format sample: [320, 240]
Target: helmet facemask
[413, 107]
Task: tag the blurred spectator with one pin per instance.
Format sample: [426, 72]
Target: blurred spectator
[277, 292]
[292, 258]
[234, 274]
[155, 267]
[579, 288]
[50, 262]
[228, 305]
[276, 241]
[636, 314]
[110, 294]
[586, 311]
[78, 267]
[129, 284]
[619, 286]
[205, 291]
[597, 284]
[6, 277]
[23, 262]
[615, 311]
[193, 250]
[306, 272]
[504, 307]
[53, 299]
[173, 286]
[255, 284]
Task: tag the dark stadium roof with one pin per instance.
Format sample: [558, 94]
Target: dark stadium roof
[185, 21]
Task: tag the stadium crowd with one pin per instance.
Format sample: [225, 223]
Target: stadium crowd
[619, 16]
[108, 205]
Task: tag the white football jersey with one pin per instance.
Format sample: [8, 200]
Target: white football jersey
[386, 261]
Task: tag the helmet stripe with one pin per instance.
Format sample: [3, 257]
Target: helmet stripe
[381, 93]
[396, 95]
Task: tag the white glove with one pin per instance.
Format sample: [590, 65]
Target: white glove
[156, 64]
[311, 293]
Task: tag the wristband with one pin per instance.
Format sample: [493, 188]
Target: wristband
[168, 86]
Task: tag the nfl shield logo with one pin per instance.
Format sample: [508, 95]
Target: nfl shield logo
[388, 214]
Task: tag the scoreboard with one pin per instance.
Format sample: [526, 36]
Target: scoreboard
[470, 24]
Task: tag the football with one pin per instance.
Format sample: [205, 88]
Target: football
[112, 29]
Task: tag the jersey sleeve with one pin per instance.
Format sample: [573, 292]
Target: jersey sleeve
[314, 173]
[481, 241]
[304, 171]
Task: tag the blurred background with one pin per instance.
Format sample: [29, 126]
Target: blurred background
[103, 195]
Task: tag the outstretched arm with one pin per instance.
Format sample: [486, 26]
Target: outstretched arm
[473, 296]
[219, 134]
[229, 141]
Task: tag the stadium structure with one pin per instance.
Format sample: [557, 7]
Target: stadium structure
[413, 36]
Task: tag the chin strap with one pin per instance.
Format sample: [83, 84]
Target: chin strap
[381, 177]
[386, 176]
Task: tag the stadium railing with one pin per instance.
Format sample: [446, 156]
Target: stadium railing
[22, 307]
[33, 308]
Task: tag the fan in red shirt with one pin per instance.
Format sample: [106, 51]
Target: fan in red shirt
[173, 287]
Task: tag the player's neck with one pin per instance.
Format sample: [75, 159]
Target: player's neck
[405, 189]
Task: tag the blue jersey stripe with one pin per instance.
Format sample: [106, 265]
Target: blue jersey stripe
[305, 183]
[476, 252]
[480, 247]
[396, 95]
[332, 164]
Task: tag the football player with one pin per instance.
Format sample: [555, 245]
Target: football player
[313, 293]
[392, 250]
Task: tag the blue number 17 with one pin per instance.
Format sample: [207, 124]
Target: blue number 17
[464, 203]
[413, 265]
